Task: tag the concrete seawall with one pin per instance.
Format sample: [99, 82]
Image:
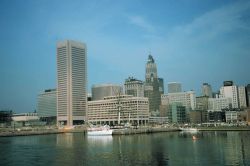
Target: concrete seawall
[27, 133]
[142, 131]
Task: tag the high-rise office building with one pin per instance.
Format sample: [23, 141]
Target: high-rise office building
[230, 91]
[242, 96]
[71, 82]
[134, 87]
[248, 95]
[151, 88]
[161, 85]
[207, 90]
[99, 91]
[174, 87]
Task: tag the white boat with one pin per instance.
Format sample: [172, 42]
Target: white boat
[99, 131]
[188, 129]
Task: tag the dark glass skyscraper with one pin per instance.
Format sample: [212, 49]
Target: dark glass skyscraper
[153, 85]
[248, 95]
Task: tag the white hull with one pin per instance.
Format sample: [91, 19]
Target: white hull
[189, 129]
[100, 132]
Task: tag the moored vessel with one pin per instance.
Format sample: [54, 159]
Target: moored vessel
[99, 131]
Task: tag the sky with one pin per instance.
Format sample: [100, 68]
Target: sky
[192, 42]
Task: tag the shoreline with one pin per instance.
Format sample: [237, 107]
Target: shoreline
[128, 131]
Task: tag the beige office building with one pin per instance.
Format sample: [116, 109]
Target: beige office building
[132, 109]
[71, 83]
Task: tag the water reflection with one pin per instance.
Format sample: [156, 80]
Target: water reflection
[173, 148]
[99, 140]
[65, 139]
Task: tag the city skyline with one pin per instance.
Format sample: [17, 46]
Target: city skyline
[192, 42]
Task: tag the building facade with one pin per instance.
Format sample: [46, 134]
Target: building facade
[202, 103]
[71, 82]
[46, 104]
[132, 109]
[217, 104]
[152, 86]
[230, 91]
[248, 95]
[100, 91]
[187, 99]
[242, 97]
[177, 113]
[207, 90]
[134, 87]
[174, 87]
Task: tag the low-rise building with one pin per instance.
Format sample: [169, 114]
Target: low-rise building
[198, 116]
[26, 119]
[231, 116]
[5, 118]
[216, 116]
[132, 109]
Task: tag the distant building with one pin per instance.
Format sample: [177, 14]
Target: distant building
[231, 116]
[187, 99]
[46, 105]
[134, 87]
[198, 116]
[152, 89]
[5, 118]
[230, 91]
[100, 91]
[216, 116]
[207, 90]
[242, 97]
[217, 104]
[202, 103]
[177, 113]
[248, 95]
[26, 119]
[174, 87]
[228, 83]
[248, 116]
[71, 83]
[161, 85]
[133, 109]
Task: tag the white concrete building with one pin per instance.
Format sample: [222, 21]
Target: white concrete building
[71, 82]
[187, 99]
[134, 87]
[242, 97]
[132, 109]
[216, 104]
[230, 92]
[231, 116]
[24, 117]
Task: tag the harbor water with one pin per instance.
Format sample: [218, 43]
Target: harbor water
[167, 148]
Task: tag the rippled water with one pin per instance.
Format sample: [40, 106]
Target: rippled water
[174, 148]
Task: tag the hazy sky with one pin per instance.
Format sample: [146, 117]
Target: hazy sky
[192, 41]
